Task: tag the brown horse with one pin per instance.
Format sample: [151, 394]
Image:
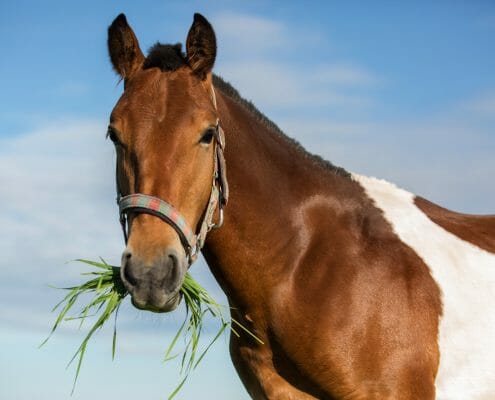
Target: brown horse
[359, 289]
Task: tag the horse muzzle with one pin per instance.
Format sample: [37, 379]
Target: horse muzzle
[154, 286]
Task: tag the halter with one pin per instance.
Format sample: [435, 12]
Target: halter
[193, 242]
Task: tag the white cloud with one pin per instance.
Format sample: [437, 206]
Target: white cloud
[484, 105]
[443, 157]
[57, 205]
[262, 58]
[72, 89]
[344, 74]
[448, 160]
[323, 129]
[248, 34]
[275, 85]
[60, 181]
[487, 22]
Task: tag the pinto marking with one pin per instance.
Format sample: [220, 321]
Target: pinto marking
[465, 275]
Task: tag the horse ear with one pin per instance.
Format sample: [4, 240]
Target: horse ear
[123, 47]
[201, 46]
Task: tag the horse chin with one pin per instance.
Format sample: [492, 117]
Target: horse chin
[167, 306]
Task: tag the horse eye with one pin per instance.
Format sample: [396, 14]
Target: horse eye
[208, 136]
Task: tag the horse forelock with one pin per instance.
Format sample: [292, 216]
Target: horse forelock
[166, 57]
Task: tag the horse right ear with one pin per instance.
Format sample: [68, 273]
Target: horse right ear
[123, 47]
[201, 47]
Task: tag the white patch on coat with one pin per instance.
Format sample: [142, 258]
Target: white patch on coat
[465, 275]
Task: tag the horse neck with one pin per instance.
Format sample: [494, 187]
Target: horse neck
[272, 185]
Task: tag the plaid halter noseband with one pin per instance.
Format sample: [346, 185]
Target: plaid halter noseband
[193, 241]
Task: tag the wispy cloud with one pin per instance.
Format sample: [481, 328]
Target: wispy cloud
[244, 34]
[448, 160]
[344, 74]
[487, 22]
[266, 81]
[484, 104]
[58, 206]
[418, 154]
[278, 86]
[72, 89]
[264, 64]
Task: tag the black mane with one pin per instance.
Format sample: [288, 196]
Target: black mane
[170, 57]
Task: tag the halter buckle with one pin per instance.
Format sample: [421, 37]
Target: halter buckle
[219, 223]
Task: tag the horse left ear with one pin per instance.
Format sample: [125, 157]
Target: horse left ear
[201, 47]
[123, 48]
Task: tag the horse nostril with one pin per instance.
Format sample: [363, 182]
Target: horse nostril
[128, 268]
[126, 256]
[174, 267]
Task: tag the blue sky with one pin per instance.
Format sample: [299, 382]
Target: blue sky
[400, 91]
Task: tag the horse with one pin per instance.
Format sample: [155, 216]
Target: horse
[357, 288]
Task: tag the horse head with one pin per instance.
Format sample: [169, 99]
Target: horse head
[165, 129]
